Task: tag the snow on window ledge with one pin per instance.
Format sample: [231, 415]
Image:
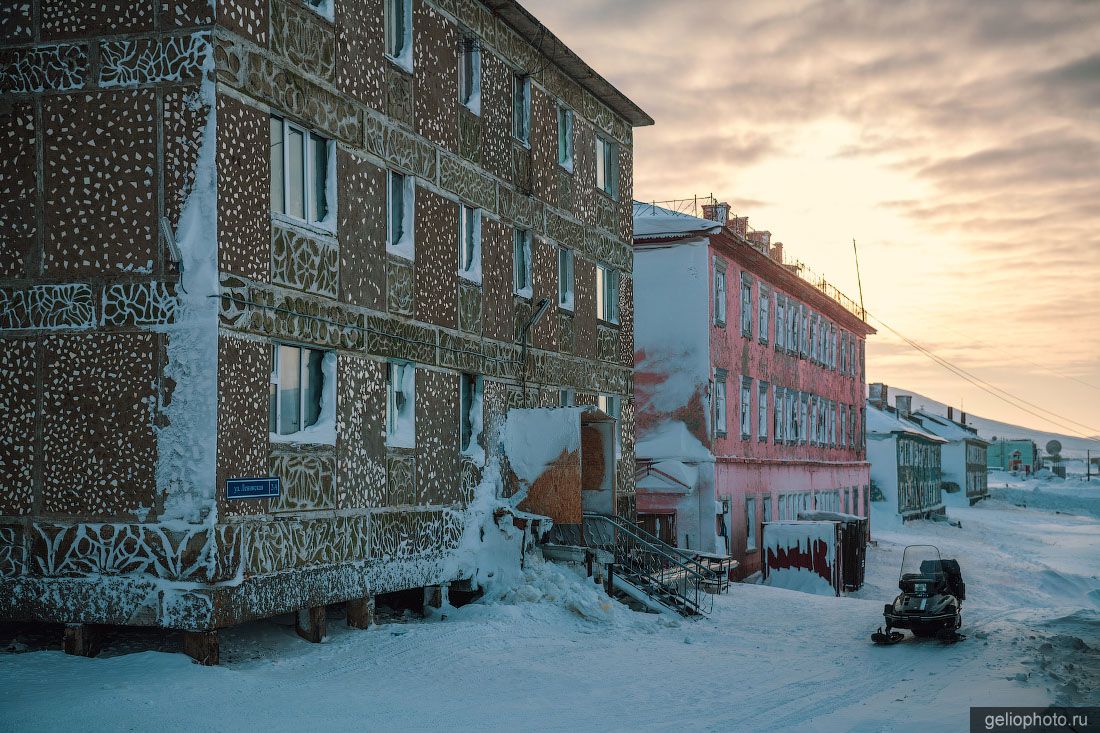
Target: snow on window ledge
[322, 432]
[525, 292]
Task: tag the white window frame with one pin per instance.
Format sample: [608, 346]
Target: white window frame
[780, 322]
[763, 318]
[396, 436]
[521, 108]
[521, 270]
[721, 415]
[746, 305]
[750, 524]
[762, 411]
[566, 278]
[399, 40]
[720, 292]
[309, 174]
[404, 245]
[607, 293]
[471, 48]
[607, 166]
[469, 247]
[745, 408]
[566, 154]
[315, 393]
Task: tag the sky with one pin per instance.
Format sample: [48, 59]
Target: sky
[957, 143]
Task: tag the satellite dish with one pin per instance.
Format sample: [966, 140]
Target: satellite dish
[1053, 448]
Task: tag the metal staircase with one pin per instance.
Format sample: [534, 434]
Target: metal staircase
[651, 571]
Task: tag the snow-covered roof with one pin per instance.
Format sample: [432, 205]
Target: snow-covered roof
[884, 423]
[653, 222]
[669, 476]
[949, 429]
[671, 440]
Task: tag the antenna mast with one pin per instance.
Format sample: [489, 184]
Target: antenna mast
[859, 280]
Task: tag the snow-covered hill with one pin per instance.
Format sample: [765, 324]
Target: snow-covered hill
[1072, 447]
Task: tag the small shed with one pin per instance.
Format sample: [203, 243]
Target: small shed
[821, 552]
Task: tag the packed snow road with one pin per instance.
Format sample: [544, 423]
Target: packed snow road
[558, 655]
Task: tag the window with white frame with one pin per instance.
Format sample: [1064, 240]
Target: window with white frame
[469, 410]
[401, 405]
[607, 166]
[400, 221]
[521, 263]
[469, 243]
[567, 397]
[792, 326]
[720, 418]
[750, 524]
[607, 293]
[780, 322]
[565, 278]
[398, 21]
[469, 73]
[803, 341]
[612, 407]
[521, 108]
[719, 293]
[746, 305]
[297, 383]
[302, 175]
[843, 425]
[746, 407]
[762, 411]
[813, 337]
[804, 421]
[777, 412]
[763, 326]
[565, 138]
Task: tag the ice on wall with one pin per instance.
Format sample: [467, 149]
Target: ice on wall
[800, 556]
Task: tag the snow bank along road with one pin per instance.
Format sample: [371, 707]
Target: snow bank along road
[558, 655]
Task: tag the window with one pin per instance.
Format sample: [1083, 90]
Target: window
[612, 407]
[565, 138]
[400, 405]
[804, 421]
[720, 419]
[750, 524]
[780, 322]
[607, 166]
[398, 19]
[762, 411]
[469, 409]
[521, 263]
[567, 398]
[400, 195]
[746, 305]
[301, 184]
[297, 380]
[746, 405]
[469, 74]
[813, 337]
[843, 352]
[607, 293]
[766, 509]
[792, 326]
[565, 278]
[777, 411]
[719, 293]
[843, 425]
[521, 108]
[322, 7]
[469, 243]
[763, 325]
[803, 340]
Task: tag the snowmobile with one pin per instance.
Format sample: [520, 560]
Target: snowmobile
[932, 590]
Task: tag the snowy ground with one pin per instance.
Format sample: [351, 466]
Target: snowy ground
[557, 655]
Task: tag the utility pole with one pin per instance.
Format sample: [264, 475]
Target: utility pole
[859, 280]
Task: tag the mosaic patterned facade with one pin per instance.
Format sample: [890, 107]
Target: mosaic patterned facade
[126, 128]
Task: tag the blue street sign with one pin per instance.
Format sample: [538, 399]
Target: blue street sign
[252, 488]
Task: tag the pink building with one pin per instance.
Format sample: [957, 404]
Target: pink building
[749, 385]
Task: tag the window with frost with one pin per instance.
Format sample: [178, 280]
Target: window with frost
[469, 409]
[750, 524]
[567, 398]
[612, 407]
[469, 243]
[777, 412]
[322, 7]
[521, 263]
[565, 138]
[763, 325]
[302, 174]
[720, 403]
[792, 326]
[401, 205]
[401, 405]
[803, 340]
[607, 293]
[766, 509]
[565, 278]
[297, 383]
[746, 405]
[762, 411]
[521, 108]
[607, 166]
[719, 293]
[746, 305]
[398, 22]
[780, 322]
[805, 418]
[469, 73]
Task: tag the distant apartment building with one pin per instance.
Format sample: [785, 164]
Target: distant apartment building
[1015, 454]
[905, 457]
[749, 385]
[963, 457]
[268, 272]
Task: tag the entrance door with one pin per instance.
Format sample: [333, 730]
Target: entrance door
[662, 525]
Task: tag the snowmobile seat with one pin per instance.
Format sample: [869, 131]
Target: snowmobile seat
[949, 571]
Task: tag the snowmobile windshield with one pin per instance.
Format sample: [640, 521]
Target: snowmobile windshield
[921, 561]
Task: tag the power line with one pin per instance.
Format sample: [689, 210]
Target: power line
[999, 393]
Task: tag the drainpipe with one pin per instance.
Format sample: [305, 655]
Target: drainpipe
[525, 333]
